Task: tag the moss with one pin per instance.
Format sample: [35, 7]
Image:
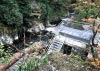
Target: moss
[3, 28]
[6, 29]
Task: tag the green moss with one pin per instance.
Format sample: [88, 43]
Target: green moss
[4, 28]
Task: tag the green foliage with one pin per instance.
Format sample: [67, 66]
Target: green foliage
[4, 55]
[15, 12]
[1, 51]
[52, 9]
[81, 15]
[86, 11]
[9, 12]
[33, 64]
[25, 6]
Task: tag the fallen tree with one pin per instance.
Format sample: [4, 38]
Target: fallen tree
[19, 55]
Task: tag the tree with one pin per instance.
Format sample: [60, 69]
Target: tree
[25, 10]
[9, 13]
[15, 12]
[73, 1]
[92, 0]
[52, 9]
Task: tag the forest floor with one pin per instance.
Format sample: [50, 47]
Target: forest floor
[62, 62]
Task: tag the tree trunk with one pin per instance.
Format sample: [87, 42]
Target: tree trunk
[73, 1]
[92, 0]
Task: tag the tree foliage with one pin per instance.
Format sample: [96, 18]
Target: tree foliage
[14, 12]
[17, 12]
[9, 12]
[53, 9]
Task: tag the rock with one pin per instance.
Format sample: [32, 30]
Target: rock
[86, 27]
[6, 39]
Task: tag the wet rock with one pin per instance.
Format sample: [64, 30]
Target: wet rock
[6, 39]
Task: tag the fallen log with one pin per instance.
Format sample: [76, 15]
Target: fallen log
[19, 55]
[15, 58]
